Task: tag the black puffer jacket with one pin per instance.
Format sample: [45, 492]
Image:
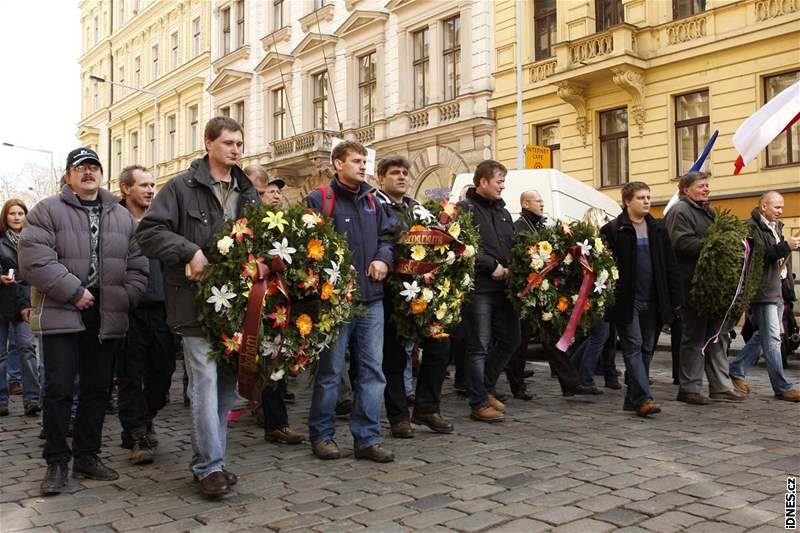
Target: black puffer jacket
[529, 221]
[183, 218]
[687, 224]
[13, 298]
[494, 224]
[769, 290]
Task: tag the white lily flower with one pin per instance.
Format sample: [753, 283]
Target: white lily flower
[333, 273]
[224, 245]
[277, 375]
[283, 250]
[599, 286]
[219, 297]
[585, 247]
[422, 214]
[547, 316]
[603, 277]
[411, 290]
[451, 258]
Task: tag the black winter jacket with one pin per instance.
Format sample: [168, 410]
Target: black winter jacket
[769, 290]
[620, 237]
[14, 297]
[496, 229]
[528, 221]
[362, 219]
[183, 218]
[687, 224]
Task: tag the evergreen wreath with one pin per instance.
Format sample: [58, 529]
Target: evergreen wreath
[719, 268]
[318, 279]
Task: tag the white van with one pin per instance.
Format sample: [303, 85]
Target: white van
[564, 196]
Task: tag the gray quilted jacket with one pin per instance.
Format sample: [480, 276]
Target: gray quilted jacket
[54, 257]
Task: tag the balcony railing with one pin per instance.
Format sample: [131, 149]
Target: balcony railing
[366, 134]
[312, 141]
[687, 29]
[542, 70]
[591, 47]
[418, 119]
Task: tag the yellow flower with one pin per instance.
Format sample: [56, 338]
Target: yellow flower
[454, 230]
[444, 288]
[418, 252]
[339, 254]
[275, 220]
[441, 312]
[416, 227]
[598, 245]
[441, 248]
[545, 247]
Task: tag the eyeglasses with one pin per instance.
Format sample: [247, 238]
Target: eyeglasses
[83, 168]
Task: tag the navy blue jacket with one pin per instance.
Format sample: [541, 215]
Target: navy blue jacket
[365, 224]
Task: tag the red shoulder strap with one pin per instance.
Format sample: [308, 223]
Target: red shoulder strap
[327, 210]
[371, 200]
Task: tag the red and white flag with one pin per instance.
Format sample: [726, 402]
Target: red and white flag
[761, 128]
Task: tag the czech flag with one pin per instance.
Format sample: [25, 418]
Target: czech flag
[761, 128]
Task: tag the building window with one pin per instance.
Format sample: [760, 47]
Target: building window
[278, 14]
[549, 135]
[785, 149]
[196, 37]
[687, 8]
[96, 26]
[452, 57]
[172, 125]
[320, 98]
[421, 66]
[238, 109]
[239, 23]
[367, 89]
[544, 28]
[151, 142]
[173, 41]
[225, 111]
[609, 14]
[193, 120]
[117, 156]
[226, 30]
[135, 147]
[121, 79]
[691, 129]
[279, 114]
[137, 71]
[614, 147]
[155, 62]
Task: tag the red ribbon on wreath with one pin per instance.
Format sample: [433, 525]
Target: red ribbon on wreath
[577, 311]
[248, 352]
[429, 237]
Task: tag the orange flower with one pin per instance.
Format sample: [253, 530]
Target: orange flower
[531, 277]
[250, 268]
[418, 305]
[272, 288]
[563, 304]
[308, 280]
[240, 229]
[315, 250]
[279, 316]
[231, 344]
[417, 227]
[304, 324]
[587, 305]
[326, 292]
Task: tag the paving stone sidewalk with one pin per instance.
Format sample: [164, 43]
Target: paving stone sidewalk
[576, 464]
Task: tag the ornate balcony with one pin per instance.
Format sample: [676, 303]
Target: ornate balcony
[295, 155]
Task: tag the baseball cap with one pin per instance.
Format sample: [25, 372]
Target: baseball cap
[277, 181]
[82, 155]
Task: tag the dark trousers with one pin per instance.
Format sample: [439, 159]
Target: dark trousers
[458, 349]
[274, 406]
[608, 363]
[144, 369]
[675, 330]
[515, 369]
[492, 331]
[433, 366]
[69, 355]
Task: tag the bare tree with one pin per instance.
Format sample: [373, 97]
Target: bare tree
[31, 183]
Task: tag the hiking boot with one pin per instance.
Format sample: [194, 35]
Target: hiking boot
[789, 395]
[283, 436]
[402, 430]
[55, 479]
[32, 409]
[486, 413]
[434, 421]
[741, 384]
[326, 449]
[143, 452]
[733, 395]
[648, 408]
[693, 398]
[91, 467]
[496, 404]
[376, 453]
[214, 485]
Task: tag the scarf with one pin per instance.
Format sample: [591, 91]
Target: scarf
[13, 236]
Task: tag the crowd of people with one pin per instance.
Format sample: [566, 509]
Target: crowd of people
[108, 287]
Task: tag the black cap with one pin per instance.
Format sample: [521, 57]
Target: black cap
[81, 155]
[277, 181]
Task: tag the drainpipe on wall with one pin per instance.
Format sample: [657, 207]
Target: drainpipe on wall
[518, 47]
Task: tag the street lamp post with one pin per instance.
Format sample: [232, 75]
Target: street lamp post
[42, 150]
[98, 79]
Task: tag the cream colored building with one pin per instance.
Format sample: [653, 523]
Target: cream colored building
[409, 77]
[158, 46]
[631, 89]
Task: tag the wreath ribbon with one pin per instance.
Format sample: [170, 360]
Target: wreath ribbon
[739, 288]
[577, 311]
[429, 237]
[248, 354]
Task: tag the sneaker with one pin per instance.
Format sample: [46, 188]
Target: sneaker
[283, 436]
[3, 409]
[648, 408]
[32, 409]
[55, 479]
[143, 451]
[326, 449]
[496, 404]
[91, 467]
[486, 413]
[789, 396]
[741, 384]
[343, 408]
[376, 453]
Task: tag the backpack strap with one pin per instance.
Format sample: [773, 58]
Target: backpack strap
[327, 192]
[371, 200]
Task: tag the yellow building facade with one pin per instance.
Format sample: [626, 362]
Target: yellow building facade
[626, 90]
[140, 49]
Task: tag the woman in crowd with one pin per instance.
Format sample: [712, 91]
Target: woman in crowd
[15, 310]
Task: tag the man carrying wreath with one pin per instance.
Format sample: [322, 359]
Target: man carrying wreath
[181, 223]
[394, 181]
[357, 214]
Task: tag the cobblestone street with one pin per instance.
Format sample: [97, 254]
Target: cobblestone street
[561, 464]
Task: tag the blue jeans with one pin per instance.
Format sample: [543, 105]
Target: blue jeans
[25, 346]
[408, 375]
[13, 367]
[767, 340]
[365, 418]
[212, 394]
[492, 335]
[638, 341]
[586, 355]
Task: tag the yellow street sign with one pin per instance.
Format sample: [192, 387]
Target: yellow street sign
[537, 156]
